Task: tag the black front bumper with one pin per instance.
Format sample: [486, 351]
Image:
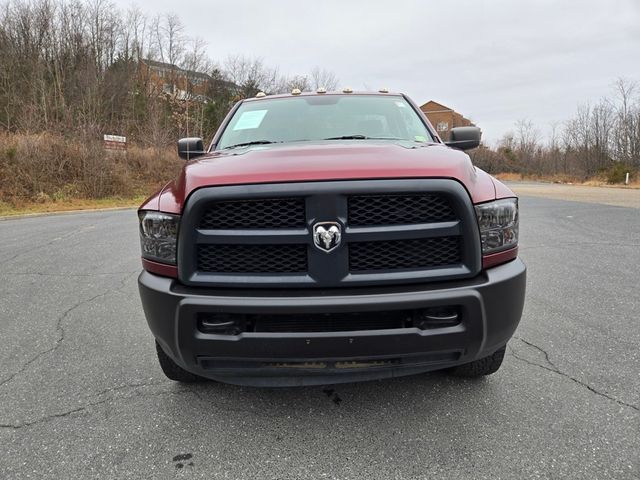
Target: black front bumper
[490, 304]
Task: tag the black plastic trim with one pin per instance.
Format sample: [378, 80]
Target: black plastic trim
[490, 306]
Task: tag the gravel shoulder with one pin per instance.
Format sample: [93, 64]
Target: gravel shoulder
[621, 197]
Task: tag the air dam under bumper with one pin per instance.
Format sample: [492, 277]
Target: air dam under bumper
[490, 307]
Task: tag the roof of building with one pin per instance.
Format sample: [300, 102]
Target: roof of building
[432, 106]
[435, 107]
[174, 68]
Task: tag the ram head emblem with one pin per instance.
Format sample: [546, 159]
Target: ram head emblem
[327, 236]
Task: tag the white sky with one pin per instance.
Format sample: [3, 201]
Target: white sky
[495, 61]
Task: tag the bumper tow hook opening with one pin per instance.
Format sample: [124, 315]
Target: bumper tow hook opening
[220, 324]
[440, 317]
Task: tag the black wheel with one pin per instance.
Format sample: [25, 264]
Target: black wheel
[174, 371]
[480, 367]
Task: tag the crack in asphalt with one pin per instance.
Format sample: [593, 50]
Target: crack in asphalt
[184, 390]
[60, 330]
[87, 406]
[45, 419]
[541, 350]
[126, 386]
[46, 244]
[554, 368]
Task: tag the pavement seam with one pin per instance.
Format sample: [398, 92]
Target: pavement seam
[556, 370]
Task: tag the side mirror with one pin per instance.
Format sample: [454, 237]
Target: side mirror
[464, 138]
[189, 148]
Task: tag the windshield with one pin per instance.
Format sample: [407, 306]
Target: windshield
[326, 117]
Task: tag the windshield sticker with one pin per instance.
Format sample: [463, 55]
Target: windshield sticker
[249, 120]
[400, 104]
[420, 138]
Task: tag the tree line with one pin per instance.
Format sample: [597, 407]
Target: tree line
[602, 139]
[70, 72]
[72, 67]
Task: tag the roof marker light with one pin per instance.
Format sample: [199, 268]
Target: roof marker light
[384, 90]
[260, 94]
[296, 91]
[321, 90]
[347, 90]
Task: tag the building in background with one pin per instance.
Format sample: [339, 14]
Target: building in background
[168, 79]
[444, 118]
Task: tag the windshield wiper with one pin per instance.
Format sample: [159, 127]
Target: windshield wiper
[348, 137]
[361, 137]
[246, 144]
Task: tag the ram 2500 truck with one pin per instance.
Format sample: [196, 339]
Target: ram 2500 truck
[330, 237]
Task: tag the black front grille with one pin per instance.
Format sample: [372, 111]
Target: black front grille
[392, 232]
[252, 258]
[264, 213]
[368, 210]
[405, 254]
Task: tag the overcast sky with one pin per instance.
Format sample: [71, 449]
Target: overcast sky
[493, 61]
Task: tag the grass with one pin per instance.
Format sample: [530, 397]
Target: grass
[48, 172]
[26, 208]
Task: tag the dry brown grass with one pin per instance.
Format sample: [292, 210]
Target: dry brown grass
[47, 169]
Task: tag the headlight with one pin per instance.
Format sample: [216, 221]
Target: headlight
[158, 236]
[498, 222]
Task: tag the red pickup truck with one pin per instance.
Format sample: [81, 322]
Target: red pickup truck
[330, 237]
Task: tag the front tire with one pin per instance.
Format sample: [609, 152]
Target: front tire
[173, 371]
[481, 367]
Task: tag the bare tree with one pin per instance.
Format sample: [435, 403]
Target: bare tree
[171, 39]
[135, 28]
[301, 82]
[251, 75]
[195, 57]
[321, 78]
[600, 132]
[526, 141]
[627, 148]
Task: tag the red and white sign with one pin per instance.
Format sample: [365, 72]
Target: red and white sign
[115, 142]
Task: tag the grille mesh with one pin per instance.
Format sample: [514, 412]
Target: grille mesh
[399, 254]
[366, 210]
[259, 214]
[364, 252]
[252, 258]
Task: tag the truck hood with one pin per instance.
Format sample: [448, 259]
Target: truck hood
[299, 162]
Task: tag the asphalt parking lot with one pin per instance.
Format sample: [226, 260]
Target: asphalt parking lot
[82, 396]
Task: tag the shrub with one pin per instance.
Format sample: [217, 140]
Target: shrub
[617, 173]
